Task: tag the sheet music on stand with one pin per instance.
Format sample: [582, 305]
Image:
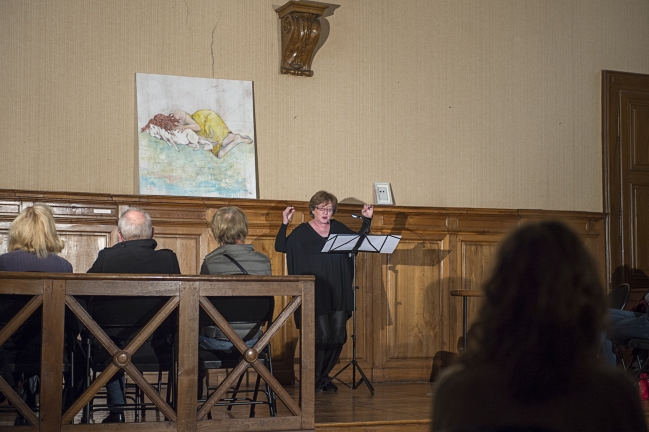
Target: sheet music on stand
[371, 243]
[340, 242]
[379, 243]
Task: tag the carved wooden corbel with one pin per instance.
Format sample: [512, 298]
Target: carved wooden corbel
[300, 35]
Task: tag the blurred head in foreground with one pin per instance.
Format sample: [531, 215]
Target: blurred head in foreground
[543, 312]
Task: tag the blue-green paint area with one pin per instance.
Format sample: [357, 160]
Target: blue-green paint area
[188, 172]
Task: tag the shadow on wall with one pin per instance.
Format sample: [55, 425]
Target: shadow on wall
[324, 26]
[351, 200]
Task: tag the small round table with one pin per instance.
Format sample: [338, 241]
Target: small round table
[465, 294]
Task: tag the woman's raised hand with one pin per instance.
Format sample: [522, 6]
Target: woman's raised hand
[368, 211]
[287, 215]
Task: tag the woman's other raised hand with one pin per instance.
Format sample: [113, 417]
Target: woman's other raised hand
[368, 211]
[287, 215]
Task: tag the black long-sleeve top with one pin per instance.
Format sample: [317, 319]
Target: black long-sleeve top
[333, 271]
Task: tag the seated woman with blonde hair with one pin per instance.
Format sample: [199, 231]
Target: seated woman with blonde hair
[229, 227]
[34, 243]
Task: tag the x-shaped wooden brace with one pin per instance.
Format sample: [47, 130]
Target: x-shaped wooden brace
[5, 333]
[121, 358]
[250, 356]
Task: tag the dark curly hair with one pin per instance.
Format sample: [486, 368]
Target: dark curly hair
[543, 313]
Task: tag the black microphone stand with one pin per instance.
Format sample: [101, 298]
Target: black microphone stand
[353, 362]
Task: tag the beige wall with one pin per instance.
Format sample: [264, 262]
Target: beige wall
[455, 102]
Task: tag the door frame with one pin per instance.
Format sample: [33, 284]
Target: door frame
[613, 83]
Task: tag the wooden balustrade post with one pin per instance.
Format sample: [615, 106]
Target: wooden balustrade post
[52, 355]
[307, 356]
[187, 356]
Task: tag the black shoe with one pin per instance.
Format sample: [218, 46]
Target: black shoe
[330, 387]
[114, 417]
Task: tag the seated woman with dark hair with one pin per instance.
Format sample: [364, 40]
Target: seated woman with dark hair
[531, 361]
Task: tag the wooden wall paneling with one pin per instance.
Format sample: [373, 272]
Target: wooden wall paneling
[411, 289]
[4, 239]
[476, 253]
[76, 211]
[425, 270]
[83, 243]
[407, 321]
[189, 243]
[595, 241]
[9, 208]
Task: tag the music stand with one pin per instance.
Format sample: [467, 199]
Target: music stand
[354, 243]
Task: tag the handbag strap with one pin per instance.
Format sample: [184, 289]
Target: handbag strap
[235, 262]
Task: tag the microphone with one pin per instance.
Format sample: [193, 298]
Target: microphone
[357, 216]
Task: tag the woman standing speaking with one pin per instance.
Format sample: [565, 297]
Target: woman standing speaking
[333, 277]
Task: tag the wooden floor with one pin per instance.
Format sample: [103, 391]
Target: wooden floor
[399, 407]
[394, 407]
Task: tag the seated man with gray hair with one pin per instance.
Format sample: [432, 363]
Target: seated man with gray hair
[135, 253]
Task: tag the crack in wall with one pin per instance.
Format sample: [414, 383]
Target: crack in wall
[212, 44]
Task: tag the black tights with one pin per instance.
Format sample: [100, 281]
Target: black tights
[330, 336]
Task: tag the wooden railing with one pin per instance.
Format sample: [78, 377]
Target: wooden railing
[57, 291]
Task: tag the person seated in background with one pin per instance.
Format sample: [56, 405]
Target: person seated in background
[229, 227]
[135, 253]
[626, 324]
[33, 245]
[531, 361]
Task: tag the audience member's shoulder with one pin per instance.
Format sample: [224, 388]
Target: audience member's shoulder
[66, 266]
[6, 259]
[450, 375]
[3, 258]
[262, 256]
[166, 252]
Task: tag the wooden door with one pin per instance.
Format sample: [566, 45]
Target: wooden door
[625, 123]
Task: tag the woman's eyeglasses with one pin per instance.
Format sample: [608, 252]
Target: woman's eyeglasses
[325, 209]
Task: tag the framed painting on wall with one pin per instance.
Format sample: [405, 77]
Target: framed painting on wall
[196, 137]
